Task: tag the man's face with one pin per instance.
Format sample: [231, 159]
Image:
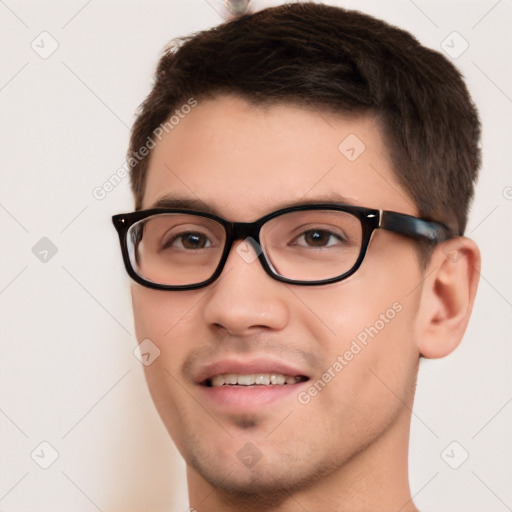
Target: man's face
[246, 162]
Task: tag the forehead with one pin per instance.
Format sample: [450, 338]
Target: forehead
[245, 161]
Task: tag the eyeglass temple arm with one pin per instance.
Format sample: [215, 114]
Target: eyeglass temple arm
[412, 226]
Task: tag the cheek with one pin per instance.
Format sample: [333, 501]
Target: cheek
[367, 321]
[159, 315]
[351, 310]
[382, 298]
[147, 313]
[162, 316]
[369, 362]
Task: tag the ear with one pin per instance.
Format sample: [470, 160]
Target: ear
[447, 296]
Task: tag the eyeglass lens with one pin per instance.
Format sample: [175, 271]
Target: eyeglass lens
[307, 245]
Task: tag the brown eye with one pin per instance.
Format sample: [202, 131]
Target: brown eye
[316, 238]
[189, 240]
[194, 240]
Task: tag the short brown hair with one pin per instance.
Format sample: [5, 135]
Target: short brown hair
[343, 61]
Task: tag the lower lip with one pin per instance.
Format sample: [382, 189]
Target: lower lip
[247, 397]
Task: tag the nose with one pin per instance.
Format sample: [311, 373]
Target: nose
[245, 299]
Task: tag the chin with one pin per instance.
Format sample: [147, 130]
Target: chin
[262, 484]
[268, 478]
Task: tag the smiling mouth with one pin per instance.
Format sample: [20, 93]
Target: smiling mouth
[253, 379]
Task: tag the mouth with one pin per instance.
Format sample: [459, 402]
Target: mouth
[237, 385]
[253, 379]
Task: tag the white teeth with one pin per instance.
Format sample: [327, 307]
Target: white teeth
[229, 378]
[260, 379]
[277, 379]
[246, 380]
[218, 380]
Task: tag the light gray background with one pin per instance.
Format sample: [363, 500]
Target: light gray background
[68, 373]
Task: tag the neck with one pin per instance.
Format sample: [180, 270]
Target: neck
[374, 480]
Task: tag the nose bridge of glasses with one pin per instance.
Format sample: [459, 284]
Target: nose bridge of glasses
[243, 230]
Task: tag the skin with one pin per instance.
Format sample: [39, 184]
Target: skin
[347, 449]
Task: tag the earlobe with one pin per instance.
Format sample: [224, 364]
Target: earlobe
[447, 296]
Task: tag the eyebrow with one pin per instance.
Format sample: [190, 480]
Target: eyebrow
[195, 204]
[184, 203]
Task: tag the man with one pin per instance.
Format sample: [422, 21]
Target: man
[302, 178]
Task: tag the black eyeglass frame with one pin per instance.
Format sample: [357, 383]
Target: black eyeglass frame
[370, 218]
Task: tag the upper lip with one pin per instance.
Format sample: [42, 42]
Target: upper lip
[239, 366]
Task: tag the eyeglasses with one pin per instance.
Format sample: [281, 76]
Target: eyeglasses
[314, 244]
